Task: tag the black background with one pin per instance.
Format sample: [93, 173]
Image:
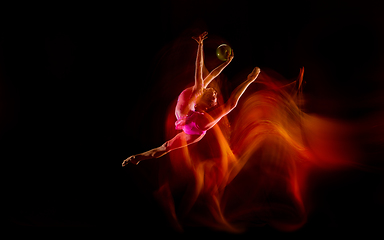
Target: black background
[78, 85]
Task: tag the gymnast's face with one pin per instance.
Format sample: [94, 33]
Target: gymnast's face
[208, 99]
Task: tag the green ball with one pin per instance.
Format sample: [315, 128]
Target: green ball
[222, 51]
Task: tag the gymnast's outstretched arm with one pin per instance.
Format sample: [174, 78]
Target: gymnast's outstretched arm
[216, 72]
[200, 81]
[199, 65]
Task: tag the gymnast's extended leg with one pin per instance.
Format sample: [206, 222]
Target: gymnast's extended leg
[180, 140]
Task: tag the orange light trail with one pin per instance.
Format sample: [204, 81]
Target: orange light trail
[244, 173]
[253, 170]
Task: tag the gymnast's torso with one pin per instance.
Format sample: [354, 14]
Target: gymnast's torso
[187, 118]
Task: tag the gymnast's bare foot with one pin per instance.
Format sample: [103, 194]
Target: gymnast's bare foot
[253, 75]
[131, 159]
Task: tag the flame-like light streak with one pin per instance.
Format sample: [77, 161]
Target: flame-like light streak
[254, 170]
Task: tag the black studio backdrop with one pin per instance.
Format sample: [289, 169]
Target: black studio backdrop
[74, 78]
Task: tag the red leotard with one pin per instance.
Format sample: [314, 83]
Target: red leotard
[187, 123]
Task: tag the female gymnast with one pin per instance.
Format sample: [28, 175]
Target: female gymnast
[193, 105]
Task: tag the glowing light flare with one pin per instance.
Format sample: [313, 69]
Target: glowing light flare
[253, 172]
[268, 142]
